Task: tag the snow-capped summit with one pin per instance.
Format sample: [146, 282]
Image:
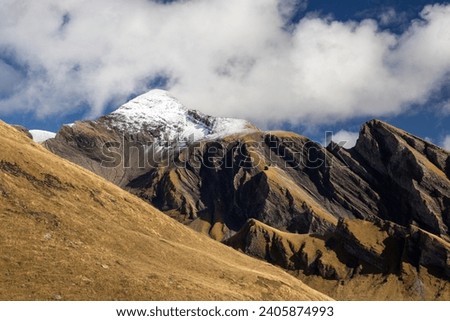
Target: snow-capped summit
[157, 112]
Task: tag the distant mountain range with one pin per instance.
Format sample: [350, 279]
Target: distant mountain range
[371, 222]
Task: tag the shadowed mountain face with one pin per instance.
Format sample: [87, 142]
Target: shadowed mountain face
[67, 234]
[358, 260]
[391, 181]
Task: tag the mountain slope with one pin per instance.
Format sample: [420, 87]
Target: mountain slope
[67, 234]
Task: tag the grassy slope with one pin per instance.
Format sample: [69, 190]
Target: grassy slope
[68, 234]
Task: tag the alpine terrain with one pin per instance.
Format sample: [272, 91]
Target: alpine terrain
[68, 234]
[371, 222]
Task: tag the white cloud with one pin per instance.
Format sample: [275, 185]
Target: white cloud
[230, 58]
[288, 8]
[389, 16]
[446, 143]
[345, 137]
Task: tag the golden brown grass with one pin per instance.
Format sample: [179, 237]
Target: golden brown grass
[286, 134]
[68, 234]
[368, 235]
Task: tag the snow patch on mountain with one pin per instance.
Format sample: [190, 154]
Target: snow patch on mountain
[40, 136]
[162, 115]
[228, 126]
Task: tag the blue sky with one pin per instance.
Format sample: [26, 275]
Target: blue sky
[308, 66]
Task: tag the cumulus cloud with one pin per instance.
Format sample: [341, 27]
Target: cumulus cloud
[446, 143]
[389, 16]
[228, 58]
[348, 139]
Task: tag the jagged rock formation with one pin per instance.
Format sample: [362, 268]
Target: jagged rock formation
[219, 185]
[360, 259]
[216, 183]
[67, 234]
[409, 175]
[291, 183]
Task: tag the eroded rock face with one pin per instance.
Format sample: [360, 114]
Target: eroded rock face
[429, 251]
[291, 183]
[411, 177]
[392, 255]
[218, 186]
[290, 251]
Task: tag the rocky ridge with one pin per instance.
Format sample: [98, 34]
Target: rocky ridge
[359, 260]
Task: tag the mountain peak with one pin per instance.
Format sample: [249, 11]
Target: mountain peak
[152, 98]
[379, 124]
[156, 92]
[159, 113]
[150, 105]
[379, 130]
